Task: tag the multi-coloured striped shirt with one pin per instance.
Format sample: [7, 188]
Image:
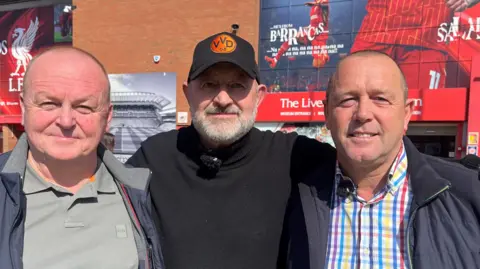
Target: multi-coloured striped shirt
[371, 234]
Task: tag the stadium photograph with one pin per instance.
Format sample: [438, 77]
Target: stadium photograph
[143, 105]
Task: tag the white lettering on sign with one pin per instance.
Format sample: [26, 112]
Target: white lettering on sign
[3, 47]
[287, 33]
[309, 103]
[287, 103]
[303, 103]
[417, 106]
[317, 108]
[15, 85]
[417, 102]
[451, 31]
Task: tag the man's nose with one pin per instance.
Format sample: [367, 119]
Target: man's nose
[223, 99]
[66, 119]
[364, 110]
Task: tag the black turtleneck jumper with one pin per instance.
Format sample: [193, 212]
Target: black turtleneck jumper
[228, 219]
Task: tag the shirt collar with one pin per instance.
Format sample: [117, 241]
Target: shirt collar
[396, 174]
[33, 183]
[398, 171]
[104, 182]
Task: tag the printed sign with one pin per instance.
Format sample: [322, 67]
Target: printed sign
[438, 105]
[182, 117]
[473, 150]
[63, 23]
[473, 138]
[143, 105]
[23, 34]
[301, 41]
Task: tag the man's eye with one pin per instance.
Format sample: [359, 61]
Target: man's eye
[84, 109]
[347, 102]
[380, 99]
[48, 105]
[209, 85]
[237, 86]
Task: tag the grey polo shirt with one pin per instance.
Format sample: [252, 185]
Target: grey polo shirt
[89, 229]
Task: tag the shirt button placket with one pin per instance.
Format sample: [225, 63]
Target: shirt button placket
[365, 235]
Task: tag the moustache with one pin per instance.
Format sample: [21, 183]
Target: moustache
[223, 110]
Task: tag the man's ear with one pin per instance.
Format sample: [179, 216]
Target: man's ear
[109, 117]
[261, 91]
[185, 87]
[408, 114]
[186, 91]
[325, 112]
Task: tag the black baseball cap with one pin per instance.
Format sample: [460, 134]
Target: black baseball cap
[224, 47]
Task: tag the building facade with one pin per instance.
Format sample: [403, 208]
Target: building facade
[435, 47]
[127, 35]
[298, 45]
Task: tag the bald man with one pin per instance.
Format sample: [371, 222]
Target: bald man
[68, 203]
[381, 203]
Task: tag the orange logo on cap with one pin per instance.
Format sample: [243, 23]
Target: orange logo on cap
[223, 44]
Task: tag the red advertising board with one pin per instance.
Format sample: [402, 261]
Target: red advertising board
[23, 34]
[429, 105]
[432, 41]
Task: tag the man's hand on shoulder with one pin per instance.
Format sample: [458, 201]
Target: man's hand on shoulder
[138, 159]
[310, 147]
[308, 154]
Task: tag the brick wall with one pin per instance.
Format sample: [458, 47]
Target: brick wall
[125, 34]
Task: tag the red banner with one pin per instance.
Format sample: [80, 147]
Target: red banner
[23, 34]
[429, 105]
[432, 41]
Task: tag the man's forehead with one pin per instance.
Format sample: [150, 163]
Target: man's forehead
[59, 85]
[376, 77]
[54, 81]
[373, 85]
[55, 94]
[66, 62]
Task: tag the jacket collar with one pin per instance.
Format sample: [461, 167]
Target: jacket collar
[17, 160]
[316, 192]
[136, 178]
[424, 179]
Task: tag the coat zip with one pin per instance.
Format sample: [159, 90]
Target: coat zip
[20, 212]
[412, 217]
[14, 226]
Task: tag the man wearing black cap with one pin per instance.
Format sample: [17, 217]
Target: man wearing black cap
[220, 187]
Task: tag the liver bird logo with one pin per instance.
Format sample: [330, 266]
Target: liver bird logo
[22, 44]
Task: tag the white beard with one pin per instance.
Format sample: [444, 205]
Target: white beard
[223, 132]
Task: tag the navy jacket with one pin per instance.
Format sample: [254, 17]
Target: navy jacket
[131, 182]
[444, 227]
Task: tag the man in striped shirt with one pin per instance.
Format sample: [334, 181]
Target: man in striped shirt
[368, 117]
[381, 204]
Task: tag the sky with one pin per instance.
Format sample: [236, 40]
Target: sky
[161, 83]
